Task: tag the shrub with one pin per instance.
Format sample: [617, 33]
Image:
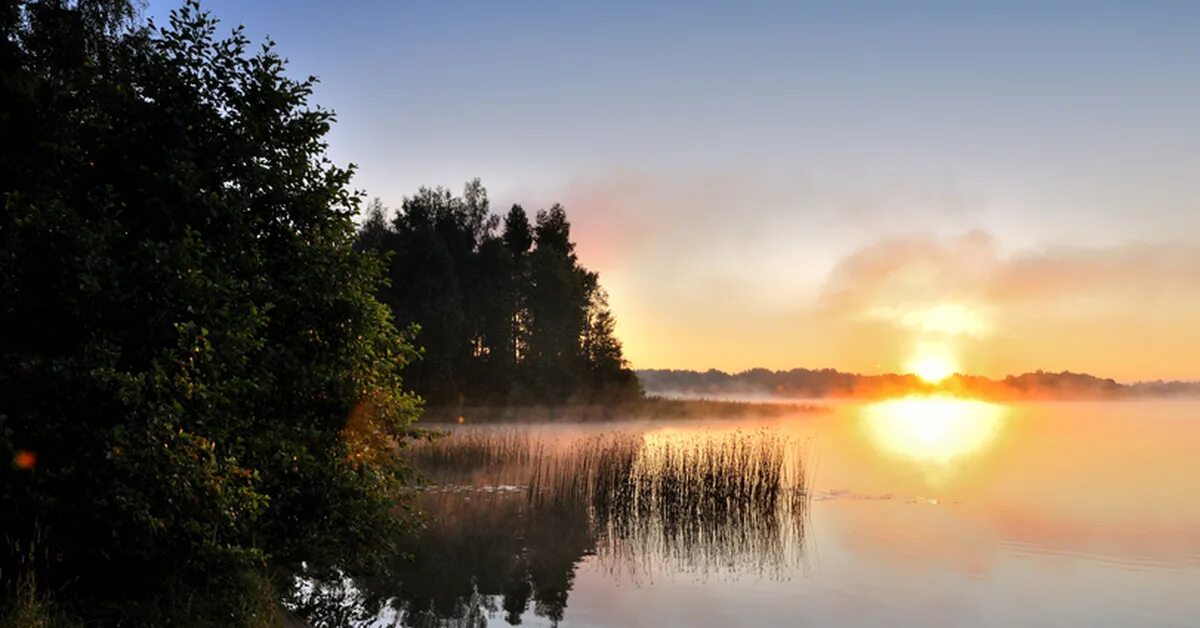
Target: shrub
[198, 391]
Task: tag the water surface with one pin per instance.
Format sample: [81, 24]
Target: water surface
[916, 512]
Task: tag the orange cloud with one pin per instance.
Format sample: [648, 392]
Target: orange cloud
[732, 272]
[1125, 311]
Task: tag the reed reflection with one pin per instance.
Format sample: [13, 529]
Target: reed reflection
[508, 539]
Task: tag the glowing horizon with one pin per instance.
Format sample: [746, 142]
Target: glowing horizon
[960, 299]
[844, 185]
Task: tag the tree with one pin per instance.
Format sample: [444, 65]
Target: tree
[518, 238]
[373, 234]
[433, 261]
[609, 376]
[200, 385]
[557, 305]
[497, 302]
[512, 318]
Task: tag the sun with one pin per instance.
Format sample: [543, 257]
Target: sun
[932, 368]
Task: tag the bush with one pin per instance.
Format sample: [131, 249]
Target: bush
[198, 391]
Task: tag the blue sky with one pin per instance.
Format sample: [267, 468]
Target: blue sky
[765, 144]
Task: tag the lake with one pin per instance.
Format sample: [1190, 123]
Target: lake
[922, 512]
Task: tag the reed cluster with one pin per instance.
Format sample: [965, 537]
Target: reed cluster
[515, 510]
[700, 503]
[465, 450]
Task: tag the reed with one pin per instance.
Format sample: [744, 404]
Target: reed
[697, 502]
[702, 503]
[460, 451]
[710, 504]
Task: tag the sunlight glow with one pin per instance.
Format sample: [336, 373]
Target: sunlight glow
[932, 367]
[944, 319]
[932, 430]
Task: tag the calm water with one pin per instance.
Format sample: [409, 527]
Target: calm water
[929, 513]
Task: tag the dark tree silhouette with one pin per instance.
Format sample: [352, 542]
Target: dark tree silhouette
[196, 378]
[508, 318]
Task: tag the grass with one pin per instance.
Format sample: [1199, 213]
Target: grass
[466, 450]
[701, 503]
[23, 603]
[27, 608]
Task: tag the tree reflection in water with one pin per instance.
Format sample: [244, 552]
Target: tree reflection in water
[508, 539]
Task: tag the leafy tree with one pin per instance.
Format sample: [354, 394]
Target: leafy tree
[198, 388]
[432, 249]
[373, 234]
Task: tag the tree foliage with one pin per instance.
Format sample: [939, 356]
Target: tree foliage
[199, 391]
[507, 315]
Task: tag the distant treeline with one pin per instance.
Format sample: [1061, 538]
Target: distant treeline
[501, 308]
[821, 383]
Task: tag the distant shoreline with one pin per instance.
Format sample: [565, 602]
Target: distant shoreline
[821, 384]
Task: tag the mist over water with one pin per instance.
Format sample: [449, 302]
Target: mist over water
[239, 294]
[921, 511]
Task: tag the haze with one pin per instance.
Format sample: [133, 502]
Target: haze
[785, 185]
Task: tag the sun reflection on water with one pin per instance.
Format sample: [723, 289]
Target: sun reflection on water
[933, 431]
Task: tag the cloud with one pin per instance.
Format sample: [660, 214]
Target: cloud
[770, 235]
[1111, 310]
[939, 284]
[753, 268]
[933, 289]
[1140, 268]
[946, 319]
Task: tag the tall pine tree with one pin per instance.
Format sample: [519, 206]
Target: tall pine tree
[508, 317]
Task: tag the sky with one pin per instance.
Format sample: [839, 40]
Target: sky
[854, 185]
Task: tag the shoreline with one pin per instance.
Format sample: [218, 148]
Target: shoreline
[650, 408]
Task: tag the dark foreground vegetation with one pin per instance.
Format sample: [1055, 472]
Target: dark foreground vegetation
[201, 410]
[200, 396]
